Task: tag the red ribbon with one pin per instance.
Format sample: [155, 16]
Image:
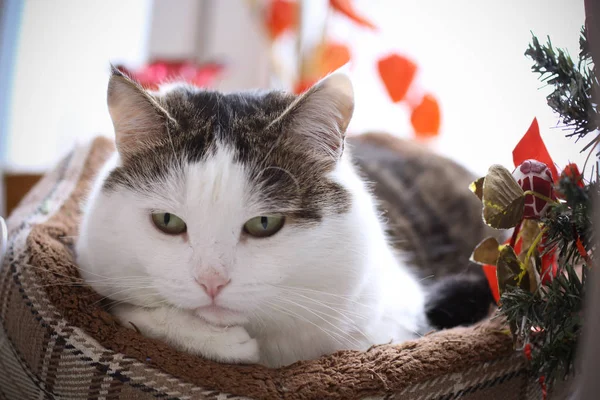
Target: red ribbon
[531, 146]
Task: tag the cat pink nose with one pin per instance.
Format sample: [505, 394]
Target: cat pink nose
[212, 284]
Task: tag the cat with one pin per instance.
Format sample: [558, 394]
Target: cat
[238, 227]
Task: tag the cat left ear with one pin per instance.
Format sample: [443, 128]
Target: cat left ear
[138, 119]
[321, 116]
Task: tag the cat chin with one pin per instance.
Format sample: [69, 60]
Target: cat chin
[221, 316]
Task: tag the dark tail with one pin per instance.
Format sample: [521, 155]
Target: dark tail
[458, 300]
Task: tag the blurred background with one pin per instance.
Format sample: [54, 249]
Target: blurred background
[451, 74]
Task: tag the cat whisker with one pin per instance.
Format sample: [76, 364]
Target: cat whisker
[341, 339]
[294, 315]
[84, 284]
[126, 290]
[313, 312]
[156, 303]
[127, 300]
[68, 278]
[330, 304]
[327, 305]
[363, 305]
[343, 315]
[337, 296]
[114, 281]
[107, 277]
[262, 323]
[354, 325]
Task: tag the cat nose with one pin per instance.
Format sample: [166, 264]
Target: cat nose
[212, 284]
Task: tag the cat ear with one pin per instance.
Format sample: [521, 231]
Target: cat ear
[138, 119]
[321, 116]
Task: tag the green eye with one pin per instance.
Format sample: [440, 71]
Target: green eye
[169, 223]
[263, 226]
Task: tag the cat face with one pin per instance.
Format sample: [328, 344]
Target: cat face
[224, 203]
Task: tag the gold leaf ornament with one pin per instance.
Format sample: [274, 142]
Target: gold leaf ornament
[503, 199]
[511, 271]
[477, 187]
[486, 252]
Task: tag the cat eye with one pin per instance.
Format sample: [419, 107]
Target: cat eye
[263, 226]
[169, 223]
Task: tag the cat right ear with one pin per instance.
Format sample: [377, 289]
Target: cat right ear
[320, 116]
[138, 119]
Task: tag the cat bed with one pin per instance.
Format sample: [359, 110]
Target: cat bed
[56, 341]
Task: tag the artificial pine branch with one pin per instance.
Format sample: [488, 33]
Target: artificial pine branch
[550, 318]
[584, 47]
[571, 220]
[573, 84]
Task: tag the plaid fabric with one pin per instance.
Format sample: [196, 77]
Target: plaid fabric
[43, 356]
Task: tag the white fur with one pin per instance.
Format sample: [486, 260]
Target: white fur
[304, 292]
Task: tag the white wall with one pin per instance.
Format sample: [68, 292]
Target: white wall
[471, 56]
[175, 32]
[61, 72]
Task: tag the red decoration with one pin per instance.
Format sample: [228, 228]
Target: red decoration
[152, 75]
[549, 267]
[345, 7]
[531, 146]
[490, 274]
[397, 73]
[542, 381]
[572, 171]
[425, 118]
[535, 176]
[490, 270]
[333, 56]
[518, 245]
[527, 351]
[304, 85]
[281, 15]
[582, 251]
[548, 270]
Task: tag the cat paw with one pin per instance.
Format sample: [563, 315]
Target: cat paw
[234, 345]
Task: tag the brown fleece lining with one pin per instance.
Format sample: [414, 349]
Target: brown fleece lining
[343, 375]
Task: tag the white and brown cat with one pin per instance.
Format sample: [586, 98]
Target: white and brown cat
[236, 227]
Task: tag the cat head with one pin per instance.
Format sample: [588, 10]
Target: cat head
[224, 203]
